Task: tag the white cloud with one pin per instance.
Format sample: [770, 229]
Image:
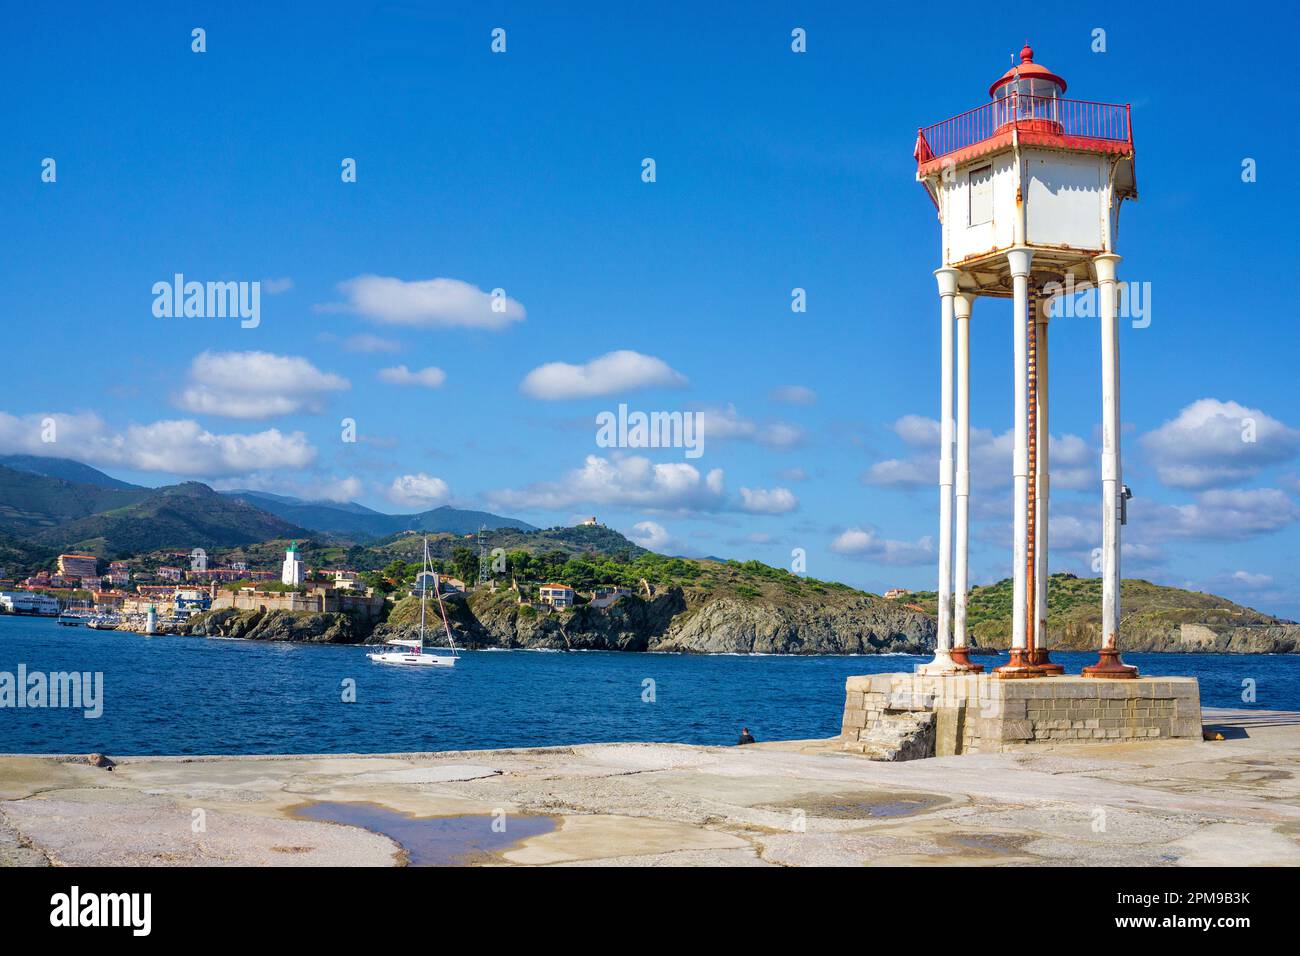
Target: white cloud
[1068, 533]
[1209, 444]
[333, 489]
[650, 535]
[1251, 581]
[1215, 515]
[426, 303]
[277, 286]
[629, 481]
[780, 435]
[918, 431]
[632, 481]
[431, 377]
[774, 501]
[309, 489]
[792, 474]
[1072, 462]
[417, 491]
[366, 342]
[174, 447]
[794, 394]
[255, 385]
[612, 373]
[184, 448]
[909, 472]
[726, 424]
[867, 545]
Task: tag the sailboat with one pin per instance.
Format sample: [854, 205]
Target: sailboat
[411, 653]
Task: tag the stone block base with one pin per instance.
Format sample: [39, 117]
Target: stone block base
[980, 714]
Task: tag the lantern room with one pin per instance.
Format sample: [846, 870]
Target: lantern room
[1028, 94]
[1028, 168]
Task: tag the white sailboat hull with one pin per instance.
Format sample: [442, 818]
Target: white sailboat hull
[412, 660]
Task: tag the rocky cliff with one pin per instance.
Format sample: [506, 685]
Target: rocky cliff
[315, 628]
[1186, 638]
[678, 619]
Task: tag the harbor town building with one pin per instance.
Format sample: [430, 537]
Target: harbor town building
[556, 595]
[78, 565]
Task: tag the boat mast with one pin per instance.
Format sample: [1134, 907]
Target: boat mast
[424, 592]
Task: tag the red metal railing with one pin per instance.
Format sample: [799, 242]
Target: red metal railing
[1043, 114]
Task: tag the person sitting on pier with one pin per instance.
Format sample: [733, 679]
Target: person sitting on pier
[745, 737]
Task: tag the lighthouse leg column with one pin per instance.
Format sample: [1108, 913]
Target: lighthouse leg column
[1019, 663]
[962, 307]
[1042, 483]
[943, 663]
[1109, 663]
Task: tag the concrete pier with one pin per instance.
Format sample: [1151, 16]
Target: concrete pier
[801, 803]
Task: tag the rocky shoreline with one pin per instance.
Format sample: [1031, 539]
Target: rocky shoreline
[691, 621]
[675, 620]
[297, 626]
[683, 620]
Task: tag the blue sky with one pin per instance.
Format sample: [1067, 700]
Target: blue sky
[522, 172]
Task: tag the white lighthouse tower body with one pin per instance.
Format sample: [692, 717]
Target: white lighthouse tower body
[1028, 190]
[292, 572]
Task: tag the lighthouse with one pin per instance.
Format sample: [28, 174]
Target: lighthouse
[291, 572]
[1028, 188]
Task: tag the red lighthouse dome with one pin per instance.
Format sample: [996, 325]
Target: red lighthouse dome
[1026, 96]
[1028, 77]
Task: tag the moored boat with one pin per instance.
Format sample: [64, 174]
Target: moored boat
[411, 653]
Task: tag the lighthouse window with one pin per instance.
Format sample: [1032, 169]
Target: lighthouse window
[980, 191]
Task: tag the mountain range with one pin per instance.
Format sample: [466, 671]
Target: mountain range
[351, 520]
[61, 504]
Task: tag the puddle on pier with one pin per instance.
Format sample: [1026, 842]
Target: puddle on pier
[434, 841]
[990, 842]
[864, 806]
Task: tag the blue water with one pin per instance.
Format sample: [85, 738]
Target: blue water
[192, 695]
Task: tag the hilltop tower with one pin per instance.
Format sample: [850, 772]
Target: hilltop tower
[484, 562]
[1028, 189]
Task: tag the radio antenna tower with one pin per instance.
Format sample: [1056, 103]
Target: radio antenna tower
[484, 562]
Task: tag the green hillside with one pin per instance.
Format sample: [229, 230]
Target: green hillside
[20, 558]
[1074, 609]
[595, 539]
[32, 503]
[188, 515]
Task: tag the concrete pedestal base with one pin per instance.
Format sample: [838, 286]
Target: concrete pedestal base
[979, 713]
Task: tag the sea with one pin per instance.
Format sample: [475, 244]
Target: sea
[194, 695]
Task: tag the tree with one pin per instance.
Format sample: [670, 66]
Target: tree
[520, 564]
[465, 564]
